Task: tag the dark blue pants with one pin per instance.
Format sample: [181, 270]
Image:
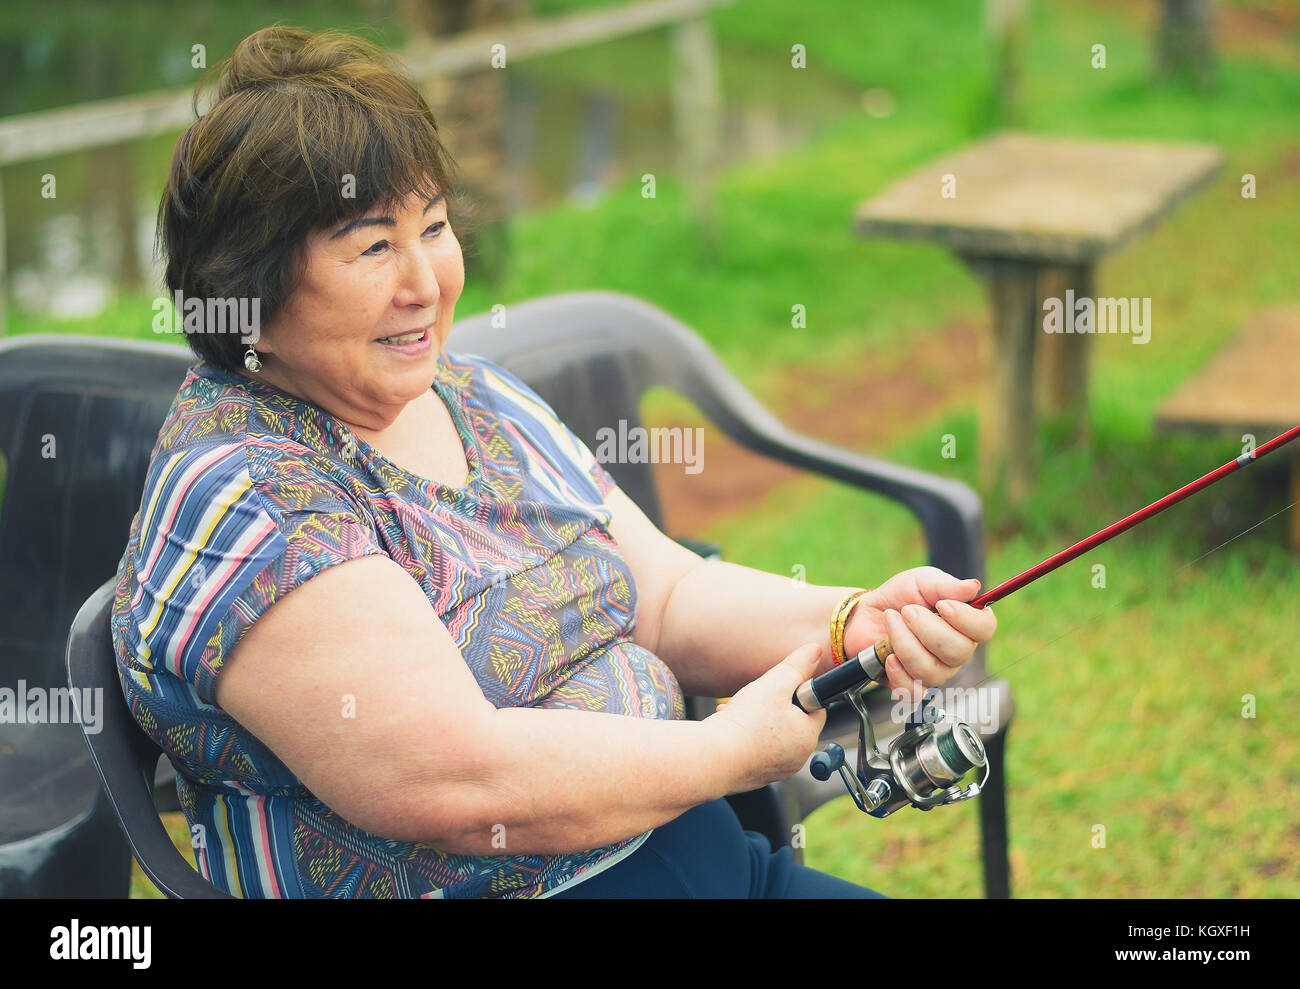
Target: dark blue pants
[705, 853]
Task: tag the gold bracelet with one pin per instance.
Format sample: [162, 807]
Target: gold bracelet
[840, 618]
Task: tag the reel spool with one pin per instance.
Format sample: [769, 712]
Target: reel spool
[923, 767]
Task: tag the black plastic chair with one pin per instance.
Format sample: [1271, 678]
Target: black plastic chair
[592, 356]
[75, 437]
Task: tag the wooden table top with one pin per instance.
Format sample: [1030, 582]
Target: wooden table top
[1251, 384]
[1047, 199]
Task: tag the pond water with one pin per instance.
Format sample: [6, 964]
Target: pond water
[564, 140]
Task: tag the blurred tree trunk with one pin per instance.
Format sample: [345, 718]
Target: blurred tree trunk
[1185, 42]
[471, 112]
[697, 119]
[115, 168]
[1005, 22]
[112, 186]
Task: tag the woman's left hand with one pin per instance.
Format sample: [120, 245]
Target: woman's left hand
[931, 628]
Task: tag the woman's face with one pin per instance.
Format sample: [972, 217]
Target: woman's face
[390, 273]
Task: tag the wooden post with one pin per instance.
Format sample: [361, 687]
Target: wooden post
[1065, 356]
[1007, 412]
[697, 109]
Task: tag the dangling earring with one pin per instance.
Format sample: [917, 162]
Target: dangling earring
[251, 360]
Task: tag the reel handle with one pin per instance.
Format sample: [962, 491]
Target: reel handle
[826, 763]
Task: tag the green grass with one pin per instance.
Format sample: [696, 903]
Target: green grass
[1129, 698]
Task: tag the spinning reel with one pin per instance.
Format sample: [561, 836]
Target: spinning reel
[924, 766]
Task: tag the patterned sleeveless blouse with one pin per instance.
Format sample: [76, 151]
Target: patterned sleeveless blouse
[251, 491]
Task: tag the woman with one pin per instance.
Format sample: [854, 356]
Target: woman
[399, 632]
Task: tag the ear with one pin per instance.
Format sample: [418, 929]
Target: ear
[260, 341]
[268, 332]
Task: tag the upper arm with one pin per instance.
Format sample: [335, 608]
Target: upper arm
[358, 688]
[275, 604]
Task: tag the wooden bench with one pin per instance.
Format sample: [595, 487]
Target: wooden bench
[1252, 386]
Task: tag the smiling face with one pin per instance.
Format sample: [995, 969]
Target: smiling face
[392, 272]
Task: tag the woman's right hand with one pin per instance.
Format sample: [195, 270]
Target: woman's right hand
[771, 737]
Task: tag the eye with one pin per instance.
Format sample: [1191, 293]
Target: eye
[379, 246]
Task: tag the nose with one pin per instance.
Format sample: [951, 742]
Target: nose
[418, 285]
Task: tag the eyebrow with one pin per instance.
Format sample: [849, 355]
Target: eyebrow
[370, 221]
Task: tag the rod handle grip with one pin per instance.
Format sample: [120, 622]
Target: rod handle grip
[866, 667]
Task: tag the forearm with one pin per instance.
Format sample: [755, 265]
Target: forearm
[562, 781]
[725, 625]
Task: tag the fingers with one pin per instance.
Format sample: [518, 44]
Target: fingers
[978, 624]
[901, 683]
[912, 664]
[917, 664]
[944, 642]
[804, 660]
[936, 585]
[798, 666]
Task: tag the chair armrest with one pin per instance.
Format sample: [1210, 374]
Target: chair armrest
[949, 511]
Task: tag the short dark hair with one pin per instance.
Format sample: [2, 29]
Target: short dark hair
[295, 114]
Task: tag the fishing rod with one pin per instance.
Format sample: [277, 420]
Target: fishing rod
[925, 765]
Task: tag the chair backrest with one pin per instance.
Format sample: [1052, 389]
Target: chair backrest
[78, 418]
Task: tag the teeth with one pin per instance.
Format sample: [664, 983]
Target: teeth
[404, 338]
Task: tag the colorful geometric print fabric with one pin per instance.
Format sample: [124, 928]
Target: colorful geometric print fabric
[251, 492]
